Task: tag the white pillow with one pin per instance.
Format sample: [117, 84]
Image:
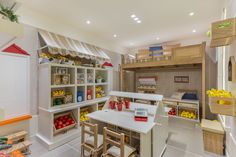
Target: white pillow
[177, 95]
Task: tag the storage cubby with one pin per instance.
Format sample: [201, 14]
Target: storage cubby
[86, 110]
[81, 94]
[62, 96]
[100, 91]
[90, 76]
[81, 73]
[101, 76]
[62, 75]
[64, 121]
[188, 113]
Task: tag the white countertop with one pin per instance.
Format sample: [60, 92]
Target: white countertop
[151, 97]
[125, 119]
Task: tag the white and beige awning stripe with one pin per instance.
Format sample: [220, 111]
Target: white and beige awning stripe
[58, 44]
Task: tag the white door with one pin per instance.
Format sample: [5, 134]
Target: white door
[14, 85]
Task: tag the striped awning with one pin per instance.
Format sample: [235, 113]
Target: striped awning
[58, 44]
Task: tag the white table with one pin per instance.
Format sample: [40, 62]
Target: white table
[125, 119]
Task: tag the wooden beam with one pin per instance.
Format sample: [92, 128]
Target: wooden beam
[163, 63]
[204, 80]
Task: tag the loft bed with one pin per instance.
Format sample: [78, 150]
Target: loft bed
[186, 57]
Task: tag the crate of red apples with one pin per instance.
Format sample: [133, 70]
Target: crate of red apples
[64, 122]
[172, 112]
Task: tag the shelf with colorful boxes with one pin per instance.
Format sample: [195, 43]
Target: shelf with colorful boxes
[58, 96]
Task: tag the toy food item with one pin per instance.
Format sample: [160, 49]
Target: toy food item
[65, 79]
[83, 116]
[89, 94]
[5, 146]
[119, 106]
[68, 98]
[58, 93]
[222, 94]
[100, 92]
[63, 121]
[172, 112]
[127, 104]
[188, 114]
[219, 93]
[112, 105]
[80, 95]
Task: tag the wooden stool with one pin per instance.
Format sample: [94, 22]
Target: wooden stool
[94, 143]
[117, 149]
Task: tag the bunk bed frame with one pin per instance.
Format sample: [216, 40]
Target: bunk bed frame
[186, 57]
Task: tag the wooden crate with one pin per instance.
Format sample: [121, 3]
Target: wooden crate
[229, 108]
[57, 131]
[61, 79]
[213, 136]
[223, 32]
[223, 29]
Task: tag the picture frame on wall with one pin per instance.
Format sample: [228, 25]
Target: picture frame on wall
[181, 79]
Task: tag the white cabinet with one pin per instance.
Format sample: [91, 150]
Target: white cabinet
[63, 89]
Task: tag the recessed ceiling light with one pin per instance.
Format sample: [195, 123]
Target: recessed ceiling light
[157, 38]
[133, 16]
[139, 21]
[136, 18]
[114, 35]
[191, 14]
[194, 31]
[88, 22]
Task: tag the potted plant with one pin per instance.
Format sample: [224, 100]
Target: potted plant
[8, 13]
[99, 79]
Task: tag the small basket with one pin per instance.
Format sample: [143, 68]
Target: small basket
[65, 129]
[229, 108]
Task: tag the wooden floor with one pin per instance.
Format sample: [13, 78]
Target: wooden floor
[185, 141]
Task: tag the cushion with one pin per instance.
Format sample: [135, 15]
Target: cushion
[177, 95]
[90, 140]
[190, 96]
[115, 151]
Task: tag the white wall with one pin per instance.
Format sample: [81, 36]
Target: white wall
[39, 20]
[228, 121]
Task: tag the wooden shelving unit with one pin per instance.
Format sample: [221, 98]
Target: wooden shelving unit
[185, 57]
[183, 105]
[56, 82]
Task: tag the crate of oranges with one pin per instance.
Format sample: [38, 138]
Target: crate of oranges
[222, 102]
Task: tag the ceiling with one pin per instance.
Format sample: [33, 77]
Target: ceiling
[168, 20]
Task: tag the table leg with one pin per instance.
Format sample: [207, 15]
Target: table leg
[146, 145]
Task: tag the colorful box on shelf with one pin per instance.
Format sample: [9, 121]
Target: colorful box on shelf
[63, 122]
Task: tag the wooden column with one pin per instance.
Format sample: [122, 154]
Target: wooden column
[204, 80]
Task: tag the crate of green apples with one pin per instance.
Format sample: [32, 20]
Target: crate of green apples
[63, 122]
